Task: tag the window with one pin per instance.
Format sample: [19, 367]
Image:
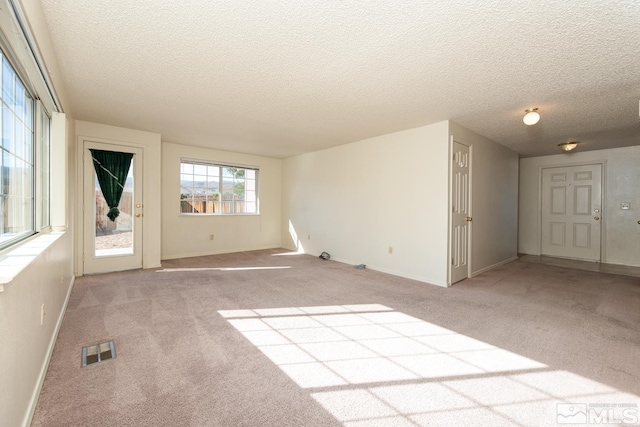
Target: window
[24, 195]
[211, 188]
[43, 163]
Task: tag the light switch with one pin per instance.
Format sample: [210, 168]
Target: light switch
[625, 205]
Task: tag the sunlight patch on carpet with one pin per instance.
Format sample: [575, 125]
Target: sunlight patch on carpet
[191, 269]
[368, 364]
[288, 254]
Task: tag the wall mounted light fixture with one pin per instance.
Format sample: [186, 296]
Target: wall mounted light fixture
[531, 117]
[568, 146]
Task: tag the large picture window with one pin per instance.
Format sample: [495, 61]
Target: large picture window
[213, 188]
[24, 191]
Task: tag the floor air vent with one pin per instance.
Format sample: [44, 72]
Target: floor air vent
[97, 353]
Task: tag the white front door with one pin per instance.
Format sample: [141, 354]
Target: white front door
[572, 212]
[461, 219]
[112, 245]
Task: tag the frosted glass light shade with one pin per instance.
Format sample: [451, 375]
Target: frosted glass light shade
[532, 117]
[568, 146]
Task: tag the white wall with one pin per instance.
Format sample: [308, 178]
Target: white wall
[621, 231]
[151, 194]
[188, 235]
[356, 200]
[494, 204]
[25, 345]
[61, 156]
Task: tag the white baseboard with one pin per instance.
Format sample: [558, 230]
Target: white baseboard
[506, 261]
[621, 264]
[425, 280]
[205, 253]
[45, 366]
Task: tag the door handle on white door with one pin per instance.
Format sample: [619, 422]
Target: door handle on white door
[596, 218]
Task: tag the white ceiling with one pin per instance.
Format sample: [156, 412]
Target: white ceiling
[280, 78]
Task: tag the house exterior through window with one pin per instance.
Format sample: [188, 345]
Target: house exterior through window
[218, 189]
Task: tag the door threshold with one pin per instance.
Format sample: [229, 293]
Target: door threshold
[600, 267]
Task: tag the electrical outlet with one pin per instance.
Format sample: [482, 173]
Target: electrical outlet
[390, 249]
[42, 313]
[308, 236]
[211, 236]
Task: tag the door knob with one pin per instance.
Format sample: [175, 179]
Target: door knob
[138, 205]
[596, 218]
[138, 215]
[469, 219]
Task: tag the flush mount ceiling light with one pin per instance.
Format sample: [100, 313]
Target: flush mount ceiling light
[532, 117]
[568, 146]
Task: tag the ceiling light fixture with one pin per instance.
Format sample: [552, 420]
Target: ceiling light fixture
[568, 146]
[532, 117]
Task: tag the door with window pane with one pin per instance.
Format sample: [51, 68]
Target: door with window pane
[112, 238]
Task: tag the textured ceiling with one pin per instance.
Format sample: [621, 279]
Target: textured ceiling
[280, 78]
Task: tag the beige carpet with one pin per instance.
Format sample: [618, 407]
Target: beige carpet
[269, 339]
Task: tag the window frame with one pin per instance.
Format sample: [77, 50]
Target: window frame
[220, 176]
[42, 168]
[38, 160]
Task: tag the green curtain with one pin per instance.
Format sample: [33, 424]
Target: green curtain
[112, 168]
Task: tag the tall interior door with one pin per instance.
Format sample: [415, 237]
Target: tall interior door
[112, 245]
[461, 219]
[571, 212]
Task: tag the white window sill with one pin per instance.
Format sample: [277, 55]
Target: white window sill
[16, 259]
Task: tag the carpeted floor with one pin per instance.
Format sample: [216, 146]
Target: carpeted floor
[268, 338]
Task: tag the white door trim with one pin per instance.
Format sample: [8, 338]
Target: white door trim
[93, 263]
[79, 194]
[603, 227]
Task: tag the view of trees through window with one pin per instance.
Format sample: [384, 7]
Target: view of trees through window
[208, 188]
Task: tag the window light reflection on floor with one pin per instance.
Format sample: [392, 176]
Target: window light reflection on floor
[188, 269]
[369, 364]
[289, 253]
